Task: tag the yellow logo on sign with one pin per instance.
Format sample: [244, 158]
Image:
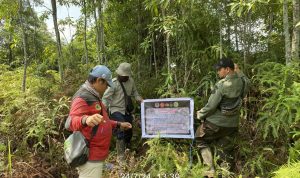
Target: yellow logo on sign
[176, 104]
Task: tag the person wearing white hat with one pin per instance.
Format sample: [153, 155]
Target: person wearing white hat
[118, 100]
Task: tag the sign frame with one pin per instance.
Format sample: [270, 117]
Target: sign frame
[191, 119]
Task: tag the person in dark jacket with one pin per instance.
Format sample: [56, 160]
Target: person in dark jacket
[220, 116]
[88, 111]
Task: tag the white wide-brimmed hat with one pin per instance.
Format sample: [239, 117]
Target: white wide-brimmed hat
[124, 69]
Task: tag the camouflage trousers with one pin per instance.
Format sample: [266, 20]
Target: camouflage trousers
[223, 138]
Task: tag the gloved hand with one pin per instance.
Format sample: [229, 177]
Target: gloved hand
[198, 114]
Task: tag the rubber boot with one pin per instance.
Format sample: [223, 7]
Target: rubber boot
[120, 145]
[208, 160]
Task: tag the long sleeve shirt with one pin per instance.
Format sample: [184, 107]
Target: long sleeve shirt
[114, 98]
[229, 87]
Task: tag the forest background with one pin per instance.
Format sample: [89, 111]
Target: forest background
[172, 46]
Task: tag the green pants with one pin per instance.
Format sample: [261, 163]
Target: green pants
[222, 137]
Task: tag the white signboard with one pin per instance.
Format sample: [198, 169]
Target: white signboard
[169, 118]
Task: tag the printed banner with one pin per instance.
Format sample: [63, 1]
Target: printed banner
[169, 118]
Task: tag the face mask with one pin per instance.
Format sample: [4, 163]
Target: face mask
[123, 78]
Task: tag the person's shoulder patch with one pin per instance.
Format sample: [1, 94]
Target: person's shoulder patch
[227, 83]
[213, 90]
[98, 107]
[221, 83]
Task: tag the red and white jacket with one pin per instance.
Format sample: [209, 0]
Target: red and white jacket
[85, 103]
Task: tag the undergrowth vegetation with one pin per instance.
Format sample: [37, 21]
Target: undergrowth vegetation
[32, 128]
[32, 122]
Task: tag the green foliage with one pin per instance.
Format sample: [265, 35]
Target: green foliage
[165, 90]
[257, 165]
[25, 114]
[288, 171]
[163, 157]
[179, 20]
[241, 7]
[11, 96]
[294, 151]
[273, 113]
[33, 122]
[255, 157]
[8, 8]
[206, 84]
[42, 125]
[135, 31]
[159, 157]
[75, 77]
[279, 86]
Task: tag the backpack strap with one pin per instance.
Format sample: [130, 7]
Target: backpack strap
[125, 93]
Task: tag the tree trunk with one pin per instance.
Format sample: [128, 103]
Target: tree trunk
[9, 54]
[271, 19]
[154, 55]
[24, 40]
[69, 43]
[184, 48]
[167, 40]
[286, 33]
[138, 41]
[97, 32]
[168, 54]
[34, 33]
[84, 33]
[245, 42]
[295, 39]
[229, 22]
[58, 43]
[220, 32]
[236, 35]
[101, 31]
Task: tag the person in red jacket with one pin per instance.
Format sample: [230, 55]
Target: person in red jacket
[88, 111]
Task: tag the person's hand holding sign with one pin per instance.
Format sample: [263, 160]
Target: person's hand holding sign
[125, 125]
[198, 114]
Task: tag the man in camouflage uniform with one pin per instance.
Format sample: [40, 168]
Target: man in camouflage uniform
[220, 116]
[114, 99]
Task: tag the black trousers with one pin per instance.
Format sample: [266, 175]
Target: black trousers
[121, 134]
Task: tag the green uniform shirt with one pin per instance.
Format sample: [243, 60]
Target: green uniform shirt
[229, 87]
[114, 99]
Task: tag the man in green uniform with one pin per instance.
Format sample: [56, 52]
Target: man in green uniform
[220, 116]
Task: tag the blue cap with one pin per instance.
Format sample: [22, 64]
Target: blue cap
[103, 72]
